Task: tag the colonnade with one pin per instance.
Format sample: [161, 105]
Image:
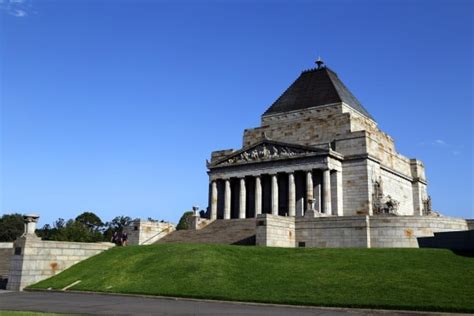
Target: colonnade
[323, 200]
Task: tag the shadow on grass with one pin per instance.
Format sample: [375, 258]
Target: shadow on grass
[463, 253]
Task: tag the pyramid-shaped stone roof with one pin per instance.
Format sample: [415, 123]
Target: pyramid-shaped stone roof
[316, 87]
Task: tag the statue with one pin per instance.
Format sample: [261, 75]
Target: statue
[382, 204]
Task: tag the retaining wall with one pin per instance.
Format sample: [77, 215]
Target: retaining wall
[402, 231]
[332, 232]
[352, 231]
[35, 259]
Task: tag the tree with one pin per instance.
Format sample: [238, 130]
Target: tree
[116, 225]
[183, 221]
[11, 227]
[90, 220]
[87, 227]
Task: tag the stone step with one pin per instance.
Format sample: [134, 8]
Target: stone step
[235, 231]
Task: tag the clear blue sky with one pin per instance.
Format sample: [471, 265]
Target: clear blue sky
[114, 106]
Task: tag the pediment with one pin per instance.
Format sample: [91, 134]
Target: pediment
[266, 151]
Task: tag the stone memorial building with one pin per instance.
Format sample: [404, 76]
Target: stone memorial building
[317, 172]
[316, 145]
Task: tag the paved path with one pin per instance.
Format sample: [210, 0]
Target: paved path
[83, 303]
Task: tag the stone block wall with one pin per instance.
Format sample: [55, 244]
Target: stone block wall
[275, 231]
[332, 232]
[6, 252]
[402, 231]
[351, 145]
[35, 259]
[379, 231]
[306, 127]
[355, 183]
[399, 189]
[142, 232]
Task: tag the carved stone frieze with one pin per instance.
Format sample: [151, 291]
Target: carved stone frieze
[265, 152]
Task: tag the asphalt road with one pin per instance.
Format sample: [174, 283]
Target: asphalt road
[83, 303]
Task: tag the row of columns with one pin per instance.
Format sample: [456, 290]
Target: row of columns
[326, 195]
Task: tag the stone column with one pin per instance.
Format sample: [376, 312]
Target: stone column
[242, 198]
[213, 200]
[291, 195]
[337, 201]
[327, 191]
[274, 194]
[317, 191]
[227, 199]
[309, 189]
[258, 195]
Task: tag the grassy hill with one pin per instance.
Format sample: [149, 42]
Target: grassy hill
[416, 279]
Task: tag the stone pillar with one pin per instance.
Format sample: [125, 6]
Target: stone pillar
[309, 189]
[291, 195]
[327, 192]
[274, 194]
[213, 200]
[317, 190]
[242, 198]
[258, 196]
[227, 197]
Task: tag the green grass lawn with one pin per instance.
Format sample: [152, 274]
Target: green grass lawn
[414, 279]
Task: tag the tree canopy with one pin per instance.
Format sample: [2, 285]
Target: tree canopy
[183, 221]
[11, 227]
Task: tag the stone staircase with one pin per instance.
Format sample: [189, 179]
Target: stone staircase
[231, 232]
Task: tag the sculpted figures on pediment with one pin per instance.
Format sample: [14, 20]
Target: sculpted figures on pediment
[266, 152]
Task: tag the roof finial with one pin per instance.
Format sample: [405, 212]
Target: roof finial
[319, 62]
